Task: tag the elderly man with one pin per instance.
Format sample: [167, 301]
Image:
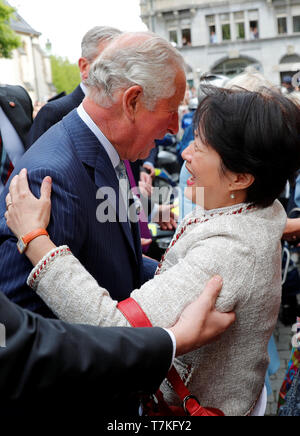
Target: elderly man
[134, 90]
[93, 43]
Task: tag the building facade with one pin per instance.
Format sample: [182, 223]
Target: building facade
[224, 37]
[29, 66]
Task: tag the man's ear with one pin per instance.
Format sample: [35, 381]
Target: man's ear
[241, 181]
[132, 100]
[84, 67]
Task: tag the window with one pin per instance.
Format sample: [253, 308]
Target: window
[240, 30]
[211, 24]
[282, 25]
[254, 33]
[254, 24]
[225, 26]
[296, 24]
[233, 67]
[212, 35]
[226, 36]
[239, 25]
[173, 37]
[186, 37]
[184, 12]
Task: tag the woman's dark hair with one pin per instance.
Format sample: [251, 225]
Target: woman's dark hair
[253, 132]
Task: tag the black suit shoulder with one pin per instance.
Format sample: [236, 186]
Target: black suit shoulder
[17, 105]
[18, 92]
[59, 364]
[52, 113]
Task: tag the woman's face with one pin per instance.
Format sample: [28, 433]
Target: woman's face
[204, 164]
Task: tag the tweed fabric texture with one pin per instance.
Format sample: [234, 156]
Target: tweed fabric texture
[244, 248]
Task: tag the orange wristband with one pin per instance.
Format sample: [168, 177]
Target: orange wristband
[23, 242]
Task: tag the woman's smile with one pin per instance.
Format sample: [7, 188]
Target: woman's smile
[192, 180]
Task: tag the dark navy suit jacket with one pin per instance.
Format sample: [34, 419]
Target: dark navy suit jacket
[69, 152]
[52, 113]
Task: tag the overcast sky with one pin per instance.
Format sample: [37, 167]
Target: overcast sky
[65, 22]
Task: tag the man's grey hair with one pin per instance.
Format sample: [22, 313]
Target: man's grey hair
[94, 37]
[148, 61]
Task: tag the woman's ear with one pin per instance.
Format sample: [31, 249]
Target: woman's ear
[241, 181]
[131, 101]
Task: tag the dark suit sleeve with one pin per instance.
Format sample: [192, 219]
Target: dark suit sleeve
[44, 356]
[26, 101]
[46, 118]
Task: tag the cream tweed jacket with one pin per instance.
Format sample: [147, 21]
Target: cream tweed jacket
[242, 244]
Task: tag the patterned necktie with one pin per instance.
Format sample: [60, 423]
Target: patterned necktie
[6, 166]
[143, 221]
[123, 181]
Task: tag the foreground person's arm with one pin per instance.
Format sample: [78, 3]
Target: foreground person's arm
[44, 356]
[292, 229]
[65, 285]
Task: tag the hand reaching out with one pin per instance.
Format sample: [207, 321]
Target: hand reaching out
[200, 323]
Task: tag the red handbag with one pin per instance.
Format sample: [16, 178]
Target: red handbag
[156, 405]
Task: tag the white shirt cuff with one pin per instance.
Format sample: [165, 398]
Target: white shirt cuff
[172, 336]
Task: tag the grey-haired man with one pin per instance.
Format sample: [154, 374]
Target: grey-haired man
[93, 43]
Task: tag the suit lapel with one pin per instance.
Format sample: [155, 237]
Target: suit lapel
[93, 154]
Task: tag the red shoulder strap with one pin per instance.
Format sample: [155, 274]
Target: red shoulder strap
[134, 313]
[137, 318]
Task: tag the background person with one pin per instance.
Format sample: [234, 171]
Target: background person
[93, 43]
[15, 121]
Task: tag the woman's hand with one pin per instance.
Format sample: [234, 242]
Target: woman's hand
[25, 212]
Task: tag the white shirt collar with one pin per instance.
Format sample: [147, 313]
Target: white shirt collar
[83, 88]
[109, 148]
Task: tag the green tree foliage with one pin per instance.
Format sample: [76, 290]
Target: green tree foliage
[66, 76]
[9, 40]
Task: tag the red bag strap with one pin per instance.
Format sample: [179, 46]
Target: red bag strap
[134, 313]
[137, 318]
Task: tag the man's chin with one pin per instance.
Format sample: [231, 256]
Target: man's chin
[144, 154]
